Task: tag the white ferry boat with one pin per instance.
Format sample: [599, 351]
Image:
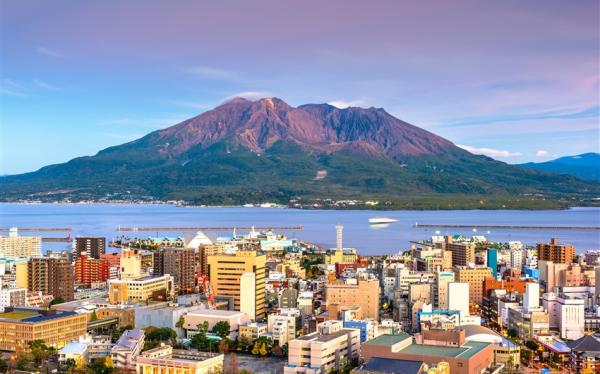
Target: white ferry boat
[381, 220]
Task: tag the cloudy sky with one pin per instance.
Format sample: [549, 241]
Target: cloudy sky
[516, 80]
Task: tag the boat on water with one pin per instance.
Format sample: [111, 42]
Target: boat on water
[381, 220]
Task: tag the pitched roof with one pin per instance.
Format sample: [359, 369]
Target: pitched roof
[586, 343]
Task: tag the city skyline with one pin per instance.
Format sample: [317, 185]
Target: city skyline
[516, 81]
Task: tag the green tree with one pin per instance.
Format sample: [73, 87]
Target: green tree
[98, 366]
[512, 333]
[222, 329]
[94, 316]
[180, 322]
[39, 350]
[160, 334]
[57, 300]
[3, 366]
[244, 343]
[532, 345]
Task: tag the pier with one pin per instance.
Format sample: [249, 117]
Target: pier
[505, 227]
[258, 228]
[39, 229]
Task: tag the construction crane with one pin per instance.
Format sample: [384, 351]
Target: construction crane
[202, 279]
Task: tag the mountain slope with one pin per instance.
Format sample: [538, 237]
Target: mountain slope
[584, 166]
[245, 151]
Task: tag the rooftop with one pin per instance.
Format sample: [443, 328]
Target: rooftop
[388, 339]
[467, 350]
[391, 366]
[32, 315]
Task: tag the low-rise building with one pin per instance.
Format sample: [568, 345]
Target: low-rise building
[252, 330]
[327, 349]
[192, 319]
[284, 326]
[432, 347]
[20, 326]
[165, 359]
[122, 291]
[127, 348]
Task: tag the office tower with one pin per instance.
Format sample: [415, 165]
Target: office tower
[475, 276]
[338, 237]
[90, 270]
[248, 295]
[15, 246]
[363, 293]
[492, 261]
[179, 263]
[94, 246]
[531, 299]
[557, 253]
[442, 279]
[51, 276]
[458, 297]
[225, 273]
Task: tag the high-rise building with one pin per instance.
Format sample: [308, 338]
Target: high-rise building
[94, 246]
[338, 237]
[206, 250]
[475, 276]
[557, 253]
[463, 254]
[363, 293]
[458, 297]
[492, 261]
[248, 295]
[531, 299]
[51, 276]
[90, 270]
[442, 279]
[15, 246]
[179, 263]
[225, 273]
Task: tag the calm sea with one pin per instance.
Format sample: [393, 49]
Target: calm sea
[319, 225]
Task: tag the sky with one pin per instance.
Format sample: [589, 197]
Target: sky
[517, 80]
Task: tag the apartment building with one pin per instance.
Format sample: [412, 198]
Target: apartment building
[557, 253]
[94, 246]
[180, 263]
[475, 276]
[363, 293]
[15, 246]
[51, 276]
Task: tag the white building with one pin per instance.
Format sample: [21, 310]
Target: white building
[127, 348]
[441, 288]
[531, 299]
[248, 295]
[331, 347]
[566, 314]
[458, 297]
[12, 297]
[283, 326]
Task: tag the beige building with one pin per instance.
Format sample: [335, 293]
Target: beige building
[252, 330]
[191, 320]
[463, 254]
[248, 295]
[441, 288]
[166, 360]
[363, 293]
[131, 264]
[225, 273]
[15, 246]
[475, 276]
[327, 349]
[122, 291]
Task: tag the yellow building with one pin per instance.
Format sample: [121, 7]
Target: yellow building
[20, 326]
[131, 264]
[167, 360]
[225, 273]
[341, 255]
[21, 275]
[121, 291]
[475, 276]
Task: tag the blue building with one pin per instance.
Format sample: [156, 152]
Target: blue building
[532, 273]
[492, 261]
[367, 328]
